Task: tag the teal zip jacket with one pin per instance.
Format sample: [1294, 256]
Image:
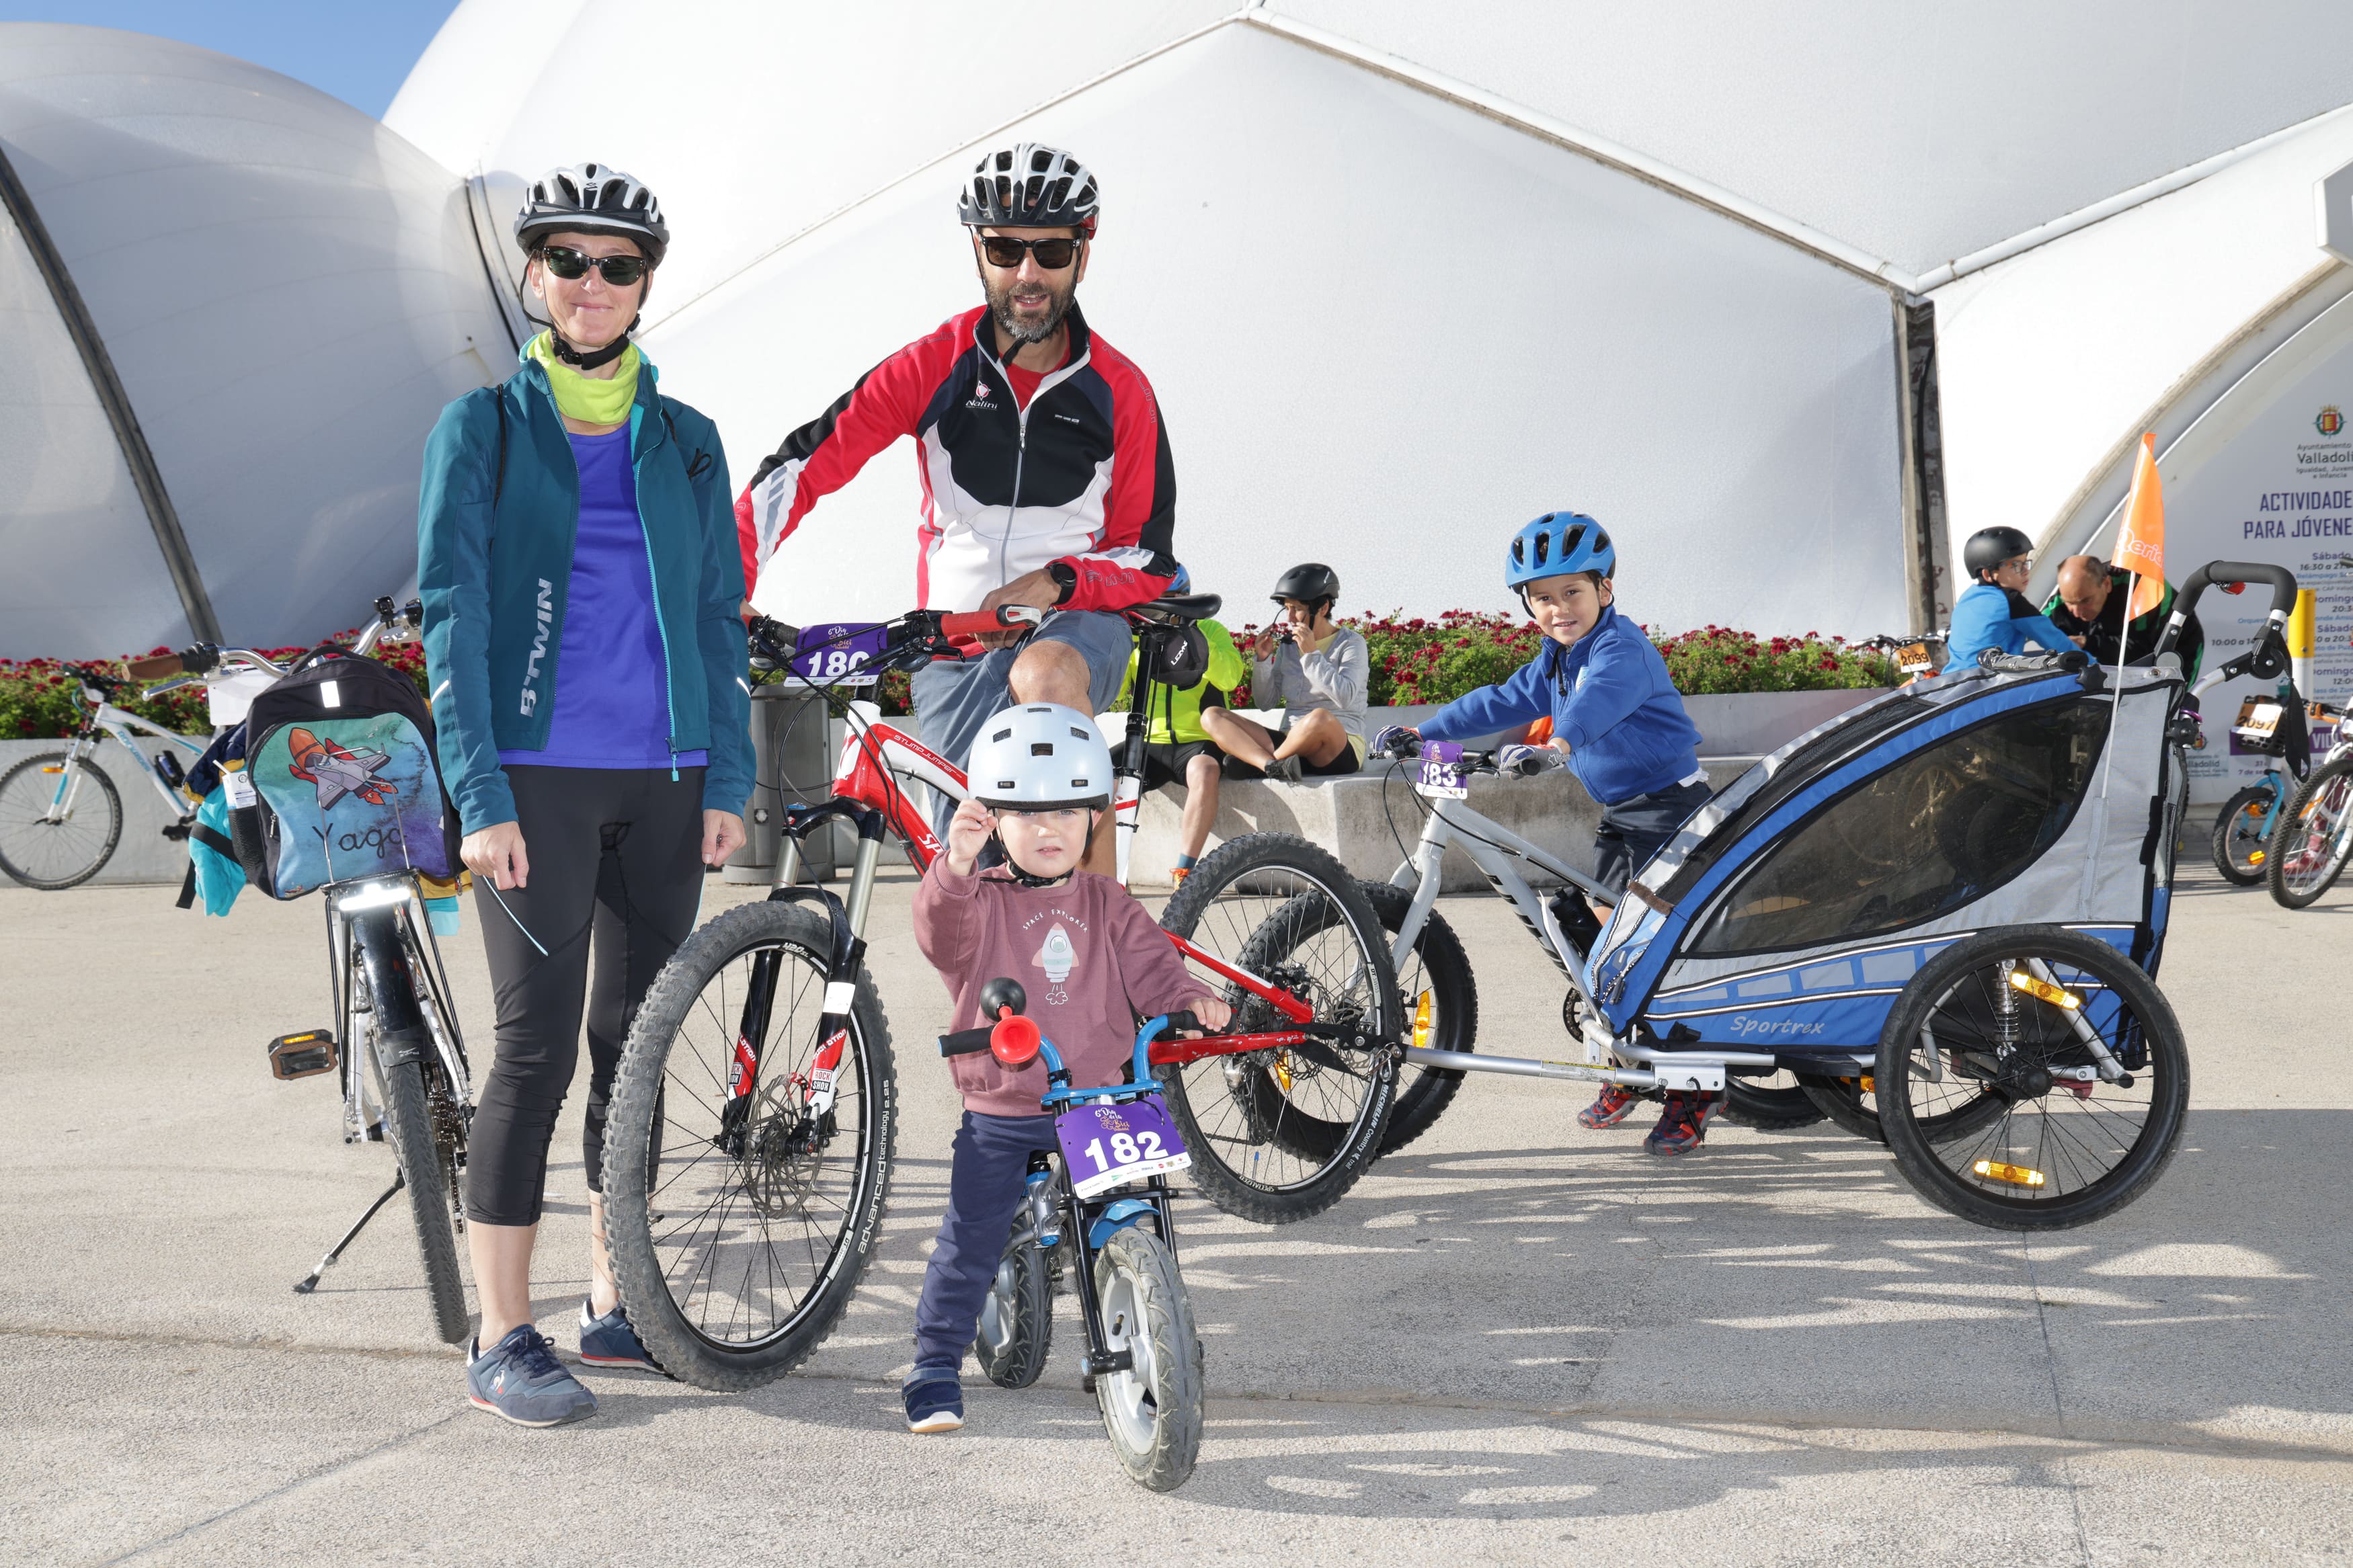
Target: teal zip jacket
[497, 516]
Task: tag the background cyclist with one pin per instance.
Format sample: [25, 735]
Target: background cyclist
[594, 726]
[1046, 474]
[1993, 613]
[1317, 673]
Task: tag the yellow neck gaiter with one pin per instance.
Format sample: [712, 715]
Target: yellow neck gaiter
[585, 398]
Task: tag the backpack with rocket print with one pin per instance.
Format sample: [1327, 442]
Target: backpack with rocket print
[340, 781]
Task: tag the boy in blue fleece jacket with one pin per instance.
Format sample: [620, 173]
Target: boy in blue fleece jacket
[1617, 715]
[1993, 614]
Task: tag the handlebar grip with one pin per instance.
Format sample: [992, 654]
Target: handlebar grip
[1993, 663]
[155, 666]
[1186, 1020]
[2281, 581]
[965, 1042]
[972, 623]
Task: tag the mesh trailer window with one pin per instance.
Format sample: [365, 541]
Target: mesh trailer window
[1939, 829]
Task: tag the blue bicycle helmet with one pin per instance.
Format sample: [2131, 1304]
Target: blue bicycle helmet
[1556, 543]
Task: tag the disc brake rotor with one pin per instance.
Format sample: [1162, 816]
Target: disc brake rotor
[781, 1162]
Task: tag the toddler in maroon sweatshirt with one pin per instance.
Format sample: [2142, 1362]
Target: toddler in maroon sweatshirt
[1094, 963]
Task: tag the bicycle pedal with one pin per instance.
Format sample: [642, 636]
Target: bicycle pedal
[303, 1056]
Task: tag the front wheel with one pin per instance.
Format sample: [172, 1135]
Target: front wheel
[2239, 843]
[748, 1153]
[1017, 1318]
[1441, 999]
[65, 853]
[2314, 837]
[2021, 1017]
[1152, 1407]
[1282, 1133]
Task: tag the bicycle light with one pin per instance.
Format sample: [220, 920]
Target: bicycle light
[2042, 990]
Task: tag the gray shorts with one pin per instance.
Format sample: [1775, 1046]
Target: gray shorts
[955, 697]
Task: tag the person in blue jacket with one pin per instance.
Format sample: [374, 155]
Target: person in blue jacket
[583, 636]
[1994, 613]
[1617, 715]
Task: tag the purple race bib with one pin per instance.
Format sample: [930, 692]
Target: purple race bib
[1106, 1146]
[838, 654]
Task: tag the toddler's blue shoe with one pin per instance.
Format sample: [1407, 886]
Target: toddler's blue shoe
[520, 1380]
[609, 1341]
[934, 1402]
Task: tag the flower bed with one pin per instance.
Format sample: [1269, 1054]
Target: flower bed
[39, 698]
[1421, 660]
[1415, 660]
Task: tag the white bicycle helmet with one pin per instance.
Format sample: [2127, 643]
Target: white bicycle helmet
[1040, 756]
[592, 198]
[1031, 185]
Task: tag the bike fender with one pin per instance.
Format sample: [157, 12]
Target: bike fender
[1114, 1219]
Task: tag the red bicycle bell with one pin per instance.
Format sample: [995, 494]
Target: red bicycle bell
[1013, 1039]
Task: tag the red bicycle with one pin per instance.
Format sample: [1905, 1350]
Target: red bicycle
[754, 1122]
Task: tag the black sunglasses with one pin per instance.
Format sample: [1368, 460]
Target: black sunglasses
[1052, 254]
[570, 264]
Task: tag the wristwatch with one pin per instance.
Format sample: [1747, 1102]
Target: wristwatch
[1065, 577]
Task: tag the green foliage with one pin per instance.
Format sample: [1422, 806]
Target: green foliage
[1419, 660]
[40, 698]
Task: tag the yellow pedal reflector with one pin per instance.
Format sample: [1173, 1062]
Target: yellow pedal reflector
[2016, 1175]
[2042, 990]
[1424, 1023]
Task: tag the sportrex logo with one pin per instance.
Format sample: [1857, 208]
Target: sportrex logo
[538, 645]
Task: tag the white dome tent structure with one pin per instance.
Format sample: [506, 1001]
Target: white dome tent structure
[1404, 275]
[233, 307]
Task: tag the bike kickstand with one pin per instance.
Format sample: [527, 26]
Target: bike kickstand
[311, 1280]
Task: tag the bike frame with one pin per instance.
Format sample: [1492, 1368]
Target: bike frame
[1499, 854]
[868, 789]
[105, 719]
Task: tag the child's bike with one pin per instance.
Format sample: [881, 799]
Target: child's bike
[753, 1120]
[1105, 1205]
[2314, 837]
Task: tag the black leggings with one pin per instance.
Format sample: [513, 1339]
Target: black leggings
[613, 850]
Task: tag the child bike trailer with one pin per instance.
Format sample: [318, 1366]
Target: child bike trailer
[1944, 912]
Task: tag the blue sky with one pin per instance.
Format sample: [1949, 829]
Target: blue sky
[360, 50]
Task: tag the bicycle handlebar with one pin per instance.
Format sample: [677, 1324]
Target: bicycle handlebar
[2269, 656]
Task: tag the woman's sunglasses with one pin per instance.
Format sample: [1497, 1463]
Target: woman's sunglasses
[1052, 254]
[619, 270]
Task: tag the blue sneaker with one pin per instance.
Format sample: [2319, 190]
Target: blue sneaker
[520, 1380]
[609, 1341]
[934, 1402]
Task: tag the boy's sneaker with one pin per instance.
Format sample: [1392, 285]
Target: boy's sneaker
[934, 1402]
[520, 1380]
[1684, 1125]
[609, 1341]
[1609, 1109]
[1287, 769]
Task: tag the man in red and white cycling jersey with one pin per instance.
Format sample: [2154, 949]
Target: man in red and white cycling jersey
[1045, 467]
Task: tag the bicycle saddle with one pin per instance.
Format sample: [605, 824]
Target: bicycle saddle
[1185, 607]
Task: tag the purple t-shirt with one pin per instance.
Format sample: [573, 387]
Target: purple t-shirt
[612, 696]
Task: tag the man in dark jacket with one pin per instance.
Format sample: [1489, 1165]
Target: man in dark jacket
[2090, 606]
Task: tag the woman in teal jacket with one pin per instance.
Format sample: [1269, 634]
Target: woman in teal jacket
[583, 635]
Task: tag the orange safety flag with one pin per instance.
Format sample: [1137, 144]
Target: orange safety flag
[2140, 541]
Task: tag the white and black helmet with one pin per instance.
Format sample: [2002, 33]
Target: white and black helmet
[1030, 185]
[1039, 756]
[592, 198]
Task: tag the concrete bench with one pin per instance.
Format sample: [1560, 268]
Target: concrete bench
[1361, 817]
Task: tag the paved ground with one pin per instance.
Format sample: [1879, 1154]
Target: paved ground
[1515, 1342]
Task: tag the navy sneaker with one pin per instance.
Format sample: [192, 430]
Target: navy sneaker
[934, 1402]
[609, 1341]
[520, 1380]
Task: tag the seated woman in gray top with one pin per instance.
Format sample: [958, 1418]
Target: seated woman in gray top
[1317, 672]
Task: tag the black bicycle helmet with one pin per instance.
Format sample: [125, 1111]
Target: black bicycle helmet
[1031, 185]
[1989, 547]
[1312, 584]
[592, 198]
